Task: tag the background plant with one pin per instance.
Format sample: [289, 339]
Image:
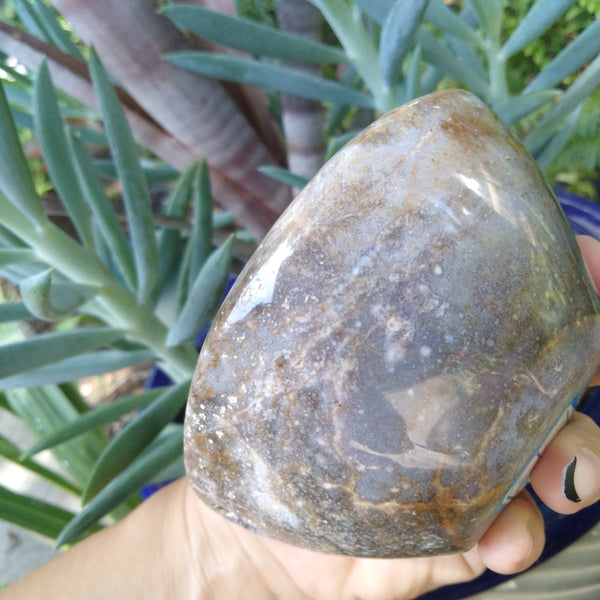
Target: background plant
[114, 238]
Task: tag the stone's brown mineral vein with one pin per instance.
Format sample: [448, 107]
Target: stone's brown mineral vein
[399, 345]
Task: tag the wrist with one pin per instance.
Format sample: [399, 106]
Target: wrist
[178, 565]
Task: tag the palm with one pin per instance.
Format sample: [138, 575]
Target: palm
[332, 577]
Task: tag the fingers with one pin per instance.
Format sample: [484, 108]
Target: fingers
[515, 539]
[567, 475]
[590, 250]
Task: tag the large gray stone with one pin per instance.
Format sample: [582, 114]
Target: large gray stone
[391, 360]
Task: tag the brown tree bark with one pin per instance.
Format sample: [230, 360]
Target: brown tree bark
[130, 38]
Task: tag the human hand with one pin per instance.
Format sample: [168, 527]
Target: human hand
[239, 564]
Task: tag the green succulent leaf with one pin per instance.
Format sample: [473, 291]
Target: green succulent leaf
[250, 36]
[443, 60]
[548, 154]
[337, 143]
[87, 364]
[574, 56]
[23, 356]
[448, 22]
[29, 19]
[397, 36]
[412, 83]
[35, 515]
[10, 452]
[202, 230]
[170, 242]
[158, 456]
[581, 88]
[490, 16]
[274, 77]
[16, 182]
[103, 211]
[48, 408]
[94, 419]
[52, 301]
[204, 297]
[378, 10]
[135, 190]
[48, 19]
[284, 176]
[540, 17]
[135, 438]
[10, 256]
[14, 311]
[518, 107]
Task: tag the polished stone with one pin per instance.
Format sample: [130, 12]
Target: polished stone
[400, 344]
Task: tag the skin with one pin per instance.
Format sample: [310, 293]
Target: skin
[174, 546]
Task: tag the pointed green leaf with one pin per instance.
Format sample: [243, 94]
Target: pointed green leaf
[10, 452]
[397, 36]
[448, 22]
[103, 211]
[40, 517]
[14, 311]
[518, 107]
[284, 176]
[204, 297]
[378, 10]
[201, 239]
[337, 143]
[282, 79]
[490, 16]
[30, 20]
[250, 36]
[46, 409]
[169, 240]
[19, 357]
[175, 470]
[443, 60]
[135, 191]
[540, 17]
[48, 18]
[158, 456]
[579, 52]
[95, 418]
[222, 219]
[16, 182]
[77, 367]
[548, 154]
[7, 238]
[53, 142]
[135, 438]
[16, 255]
[413, 75]
[579, 90]
[155, 173]
[50, 302]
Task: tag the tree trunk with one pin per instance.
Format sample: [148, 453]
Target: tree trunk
[130, 38]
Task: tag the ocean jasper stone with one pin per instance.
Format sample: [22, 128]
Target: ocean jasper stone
[395, 354]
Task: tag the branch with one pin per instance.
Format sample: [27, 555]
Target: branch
[197, 112]
[302, 119]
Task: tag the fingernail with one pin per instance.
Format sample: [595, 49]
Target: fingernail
[581, 479]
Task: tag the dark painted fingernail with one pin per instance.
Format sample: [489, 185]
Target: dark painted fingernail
[569, 482]
[581, 478]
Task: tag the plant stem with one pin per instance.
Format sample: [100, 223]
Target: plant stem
[497, 71]
[119, 305]
[359, 47]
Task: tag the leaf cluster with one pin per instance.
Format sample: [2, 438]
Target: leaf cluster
[116, 272]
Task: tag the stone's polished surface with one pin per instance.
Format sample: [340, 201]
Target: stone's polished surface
[396, 350]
